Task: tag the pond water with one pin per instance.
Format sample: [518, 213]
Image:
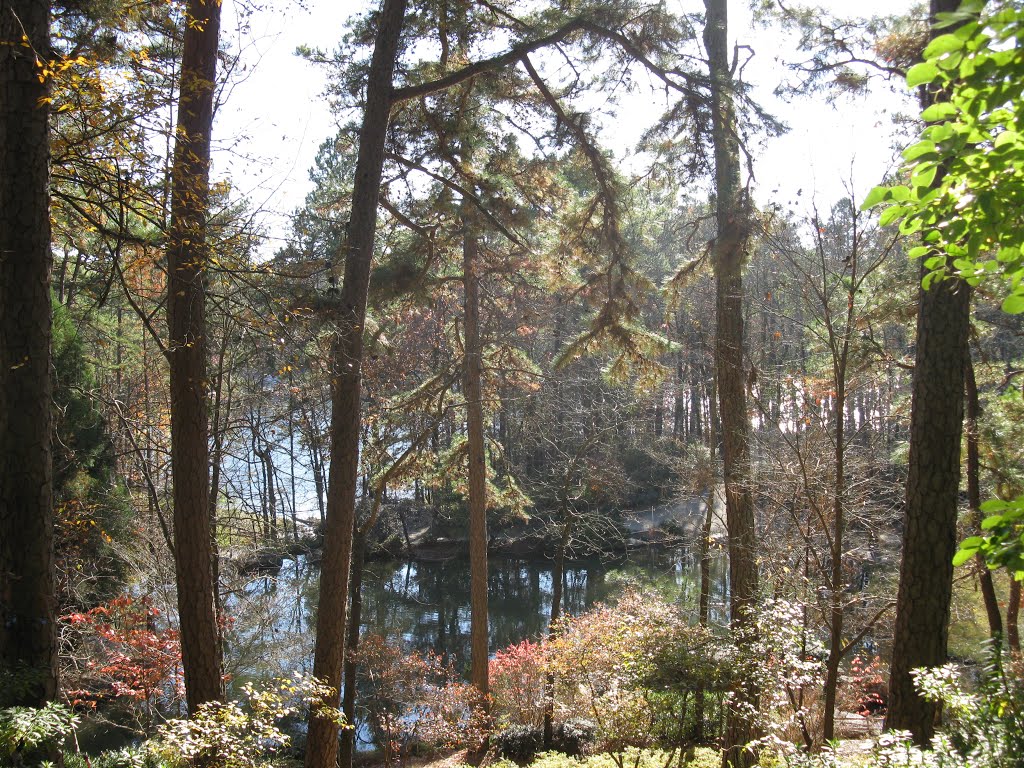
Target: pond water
[425, 604]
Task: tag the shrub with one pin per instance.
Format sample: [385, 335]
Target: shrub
[519, 742]
[865, 689]
[573, 737]
[240, 734]
[131, 656]
[784, 661]
[517, 678]
[631, 669]
[411, 698]
[28, 730]
[128, 757]
[984, 729]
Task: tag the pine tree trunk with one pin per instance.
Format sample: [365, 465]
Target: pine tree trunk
[186, 312]
[348, 698]
[729, 254]
[477, 461]
[933, 484]
[322, 742]
[28, 639]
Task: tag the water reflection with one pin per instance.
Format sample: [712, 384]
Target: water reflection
[426, 604]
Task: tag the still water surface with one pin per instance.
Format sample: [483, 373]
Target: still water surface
[425, 604]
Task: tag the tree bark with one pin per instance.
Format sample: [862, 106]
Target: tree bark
[187, 258]
[929, 538]
[933, 484]
[704, 606]
[479, 651]
[729, 253]
[348, 698]
[1012, 617]
[346, 381]
[988, 589]
[28, 639]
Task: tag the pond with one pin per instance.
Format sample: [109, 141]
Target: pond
[425, 604]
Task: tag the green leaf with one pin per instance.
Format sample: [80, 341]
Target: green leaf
[922, 73]
[992, 505]
[899, 194]
[991, 521]
[876, 196]
[940, 132]
[1008, 253]
[924, 174]
[939, 111]
[915, 151]
[889, 215]
[1013, 304]
[963, 555]
[941, 45]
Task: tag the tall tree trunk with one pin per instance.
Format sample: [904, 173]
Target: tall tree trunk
[186, 311]
[988, 589]
[839, 344]
[837, 584]
[348, 698]
[473, 372]
[933, 483]
[704, 605]
[221, 416]
[557, 579]
[729, 254]
[322, 743]
[28, 639]
[1012, 617]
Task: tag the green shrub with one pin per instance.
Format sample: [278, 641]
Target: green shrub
[240, 734]
[984, 728]
[574, 737]
[519, 743]
[128, 757]
[27, 730]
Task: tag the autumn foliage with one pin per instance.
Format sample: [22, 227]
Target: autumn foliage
[129, 652]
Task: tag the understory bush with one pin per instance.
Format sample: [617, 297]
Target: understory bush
[412, 699]
[984, 726]
[517, 678]
[521, 743]
[240, 734]
[30, 731]
[632, 670]
[128, 757]
[129, 653]
[647, 678]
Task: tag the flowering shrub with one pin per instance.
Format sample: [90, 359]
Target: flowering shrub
[130, 656]
[984, 728]
[784, 661]
[517, 677]
[411, 698]
[240, 734]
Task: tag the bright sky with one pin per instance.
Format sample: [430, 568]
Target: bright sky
[273, 121]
